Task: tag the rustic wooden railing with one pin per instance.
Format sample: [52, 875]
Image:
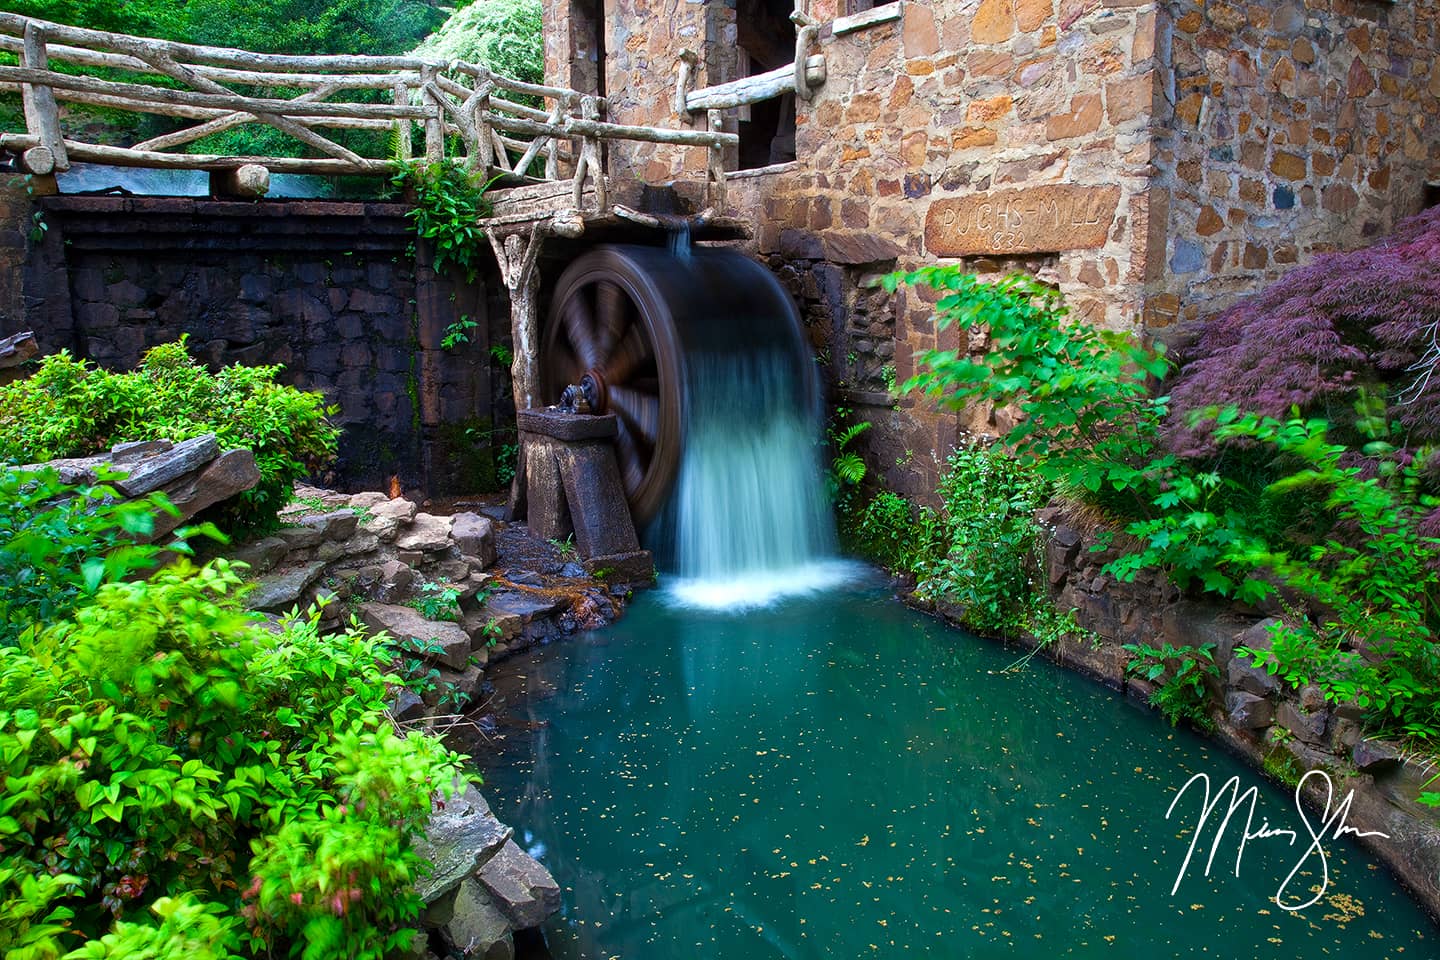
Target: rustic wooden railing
[462, 112]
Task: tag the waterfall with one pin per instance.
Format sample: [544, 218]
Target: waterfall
[750, 521]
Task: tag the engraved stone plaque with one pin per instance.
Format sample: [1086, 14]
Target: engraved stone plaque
[1027, 220]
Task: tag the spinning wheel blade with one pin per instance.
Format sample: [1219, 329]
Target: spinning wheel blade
[579, 322]
[613, 310]
[641, 412]
[629, 355]
[632, 467]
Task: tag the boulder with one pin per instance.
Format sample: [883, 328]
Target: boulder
[474, 535]
[230, 474]
[407, 706]
[299, 538]
[523, 890]
[477, 928]
[281, 590]
[444, 642]
[426, 534]
[399, 508]
[461, 835]
[262, 555]
[1373, 755]
[335, 525]
[1249, 711]
[153, 472]
[396, 583]
[1251, 679]
[368, 500]
[1309, 727]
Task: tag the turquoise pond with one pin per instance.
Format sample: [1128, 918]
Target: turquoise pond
[837, 776]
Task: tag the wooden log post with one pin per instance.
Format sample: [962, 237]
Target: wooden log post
[517, 256]
[42, 115]
[434, 117]
[715, 170]
[405, 146]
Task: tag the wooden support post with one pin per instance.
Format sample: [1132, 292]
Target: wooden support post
[42, 116]
[517, 257]
[402, 126]
[434, 118]
[715, 175]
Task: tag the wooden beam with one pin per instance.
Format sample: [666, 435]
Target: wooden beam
[126, 157]
[762, 86]
[14, 24]
[229, 101]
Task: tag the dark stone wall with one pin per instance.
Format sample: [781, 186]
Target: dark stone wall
[335, 292]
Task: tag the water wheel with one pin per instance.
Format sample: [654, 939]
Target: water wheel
[611, 318]
[631, 318]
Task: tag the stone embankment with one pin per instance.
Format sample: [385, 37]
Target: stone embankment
[1284, 731]
[457, 592]
[483, 887]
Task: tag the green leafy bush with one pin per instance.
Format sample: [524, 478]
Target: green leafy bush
[70, 408]
[1348, 532]
[181, 782]
[1369, 594]
[448, 201]
[1180, 675]
[980, 553]
[62, 543]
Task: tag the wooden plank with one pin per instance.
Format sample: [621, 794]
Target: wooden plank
[867, 18]
[762, 86]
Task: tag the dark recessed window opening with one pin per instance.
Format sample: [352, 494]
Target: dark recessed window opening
[767, 41]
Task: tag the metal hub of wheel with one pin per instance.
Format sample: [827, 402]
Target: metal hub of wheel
[610, 324]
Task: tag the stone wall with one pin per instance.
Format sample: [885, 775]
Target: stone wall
[333, 291]
[15, 210]
[1288, 129]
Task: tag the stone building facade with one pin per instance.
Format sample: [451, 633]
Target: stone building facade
[1154, 160]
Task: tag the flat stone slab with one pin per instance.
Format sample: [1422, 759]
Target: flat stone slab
[426, 533]
[446, 642]
[155, 471]
[1041, 219]
[461, 835]
[552, 422]
[281, 590]
[526, 606]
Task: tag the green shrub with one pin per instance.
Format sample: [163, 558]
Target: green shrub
[62, 543]
[448, 201]
[181, 782]
[1180, 676]
[1348, 531]
[980, 553]
[70, 408]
